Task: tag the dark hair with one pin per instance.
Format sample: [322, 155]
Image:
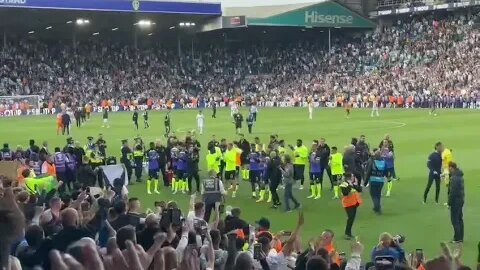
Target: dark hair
[133, 199]
[316, 263]
[124, 234]
[216, 236]
[34, 235]
[120, 207]
[334, 148]
[57, 149]
[438, 144]
[199, 206]
[452, 165]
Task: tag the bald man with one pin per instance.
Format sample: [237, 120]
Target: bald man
[71, 232]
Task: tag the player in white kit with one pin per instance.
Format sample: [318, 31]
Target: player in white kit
[310, 108]
[233, 108]
[200, 122]
[374, 101]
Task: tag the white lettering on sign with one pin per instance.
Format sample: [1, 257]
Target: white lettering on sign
[313, 17]
[13, 2]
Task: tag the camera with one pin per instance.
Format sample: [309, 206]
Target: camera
[398, 239]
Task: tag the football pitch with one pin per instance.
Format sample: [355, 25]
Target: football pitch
[413, 131]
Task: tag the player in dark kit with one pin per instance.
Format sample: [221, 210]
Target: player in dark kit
[127, 158]
[135, 118]
[66, 121]
[214, 109]
[145, 119]
[238, 119]
[434, 165]
[250, 122]
[167, 124]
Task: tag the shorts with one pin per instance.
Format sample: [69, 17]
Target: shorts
[255, 176]
[315, 177]
[238, 125]
[389, 172]
[336, 179]
[230, 175]
[181, 174]
[105, 120]
[153, 174]
[298, 172]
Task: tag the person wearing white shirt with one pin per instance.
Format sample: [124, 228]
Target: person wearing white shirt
[200, 122]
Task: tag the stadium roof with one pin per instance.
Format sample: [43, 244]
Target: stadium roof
[61, 24]
[322, 14]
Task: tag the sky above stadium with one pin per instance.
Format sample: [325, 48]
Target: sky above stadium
[251, 3]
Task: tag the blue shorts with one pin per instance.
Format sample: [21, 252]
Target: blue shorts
[153, 174]
[315, 177]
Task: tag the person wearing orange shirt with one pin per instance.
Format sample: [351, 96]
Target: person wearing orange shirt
[59, 123]
[48, 167]
[348, 107]
[350, 201]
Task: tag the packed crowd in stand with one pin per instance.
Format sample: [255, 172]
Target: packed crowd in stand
[59, 218]
[414, 60]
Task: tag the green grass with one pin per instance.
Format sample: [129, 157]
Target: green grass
[413, 131]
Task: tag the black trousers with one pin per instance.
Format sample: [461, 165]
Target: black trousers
[456, 216]
[351, 214]
[254, 116]
[128, 167]
[327, 169]
[193, 175]
[135, 123]
[432, 177]
[79, 122]
[273, 189]
[138, 172]
[209, 207]
[65, 129]
[376, 194]
[214, 115]
[299, 172]
[164, 175]
[249, 129]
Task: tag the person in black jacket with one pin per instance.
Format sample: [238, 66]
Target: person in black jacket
[456, 199]
[434, 165]
[245, 146]
[192, 165]
[162, 162]
[66, 121]
[324, 151]
[350, 164]
[85, 174]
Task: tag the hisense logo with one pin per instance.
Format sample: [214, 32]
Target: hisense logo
[13, 2]
[313, 17]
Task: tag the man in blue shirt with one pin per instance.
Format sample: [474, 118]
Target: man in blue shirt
[434, 165]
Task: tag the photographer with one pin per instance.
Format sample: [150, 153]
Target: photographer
[389, 246]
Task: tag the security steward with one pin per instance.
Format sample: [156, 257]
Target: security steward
[213, 191]
[127, 158]
[351, 200]
[138, 156]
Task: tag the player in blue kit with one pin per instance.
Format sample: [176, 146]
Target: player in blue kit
[255, 170]
[153, 169]
[315, 172]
